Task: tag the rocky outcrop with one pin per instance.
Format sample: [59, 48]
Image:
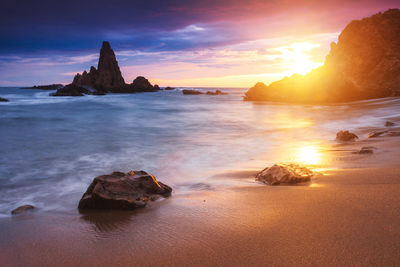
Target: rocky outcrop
[191, 92]
[364, 64]
[3, 99]
[123, 191]
[217, 92]
[22, 209]
[71, 90]
[345, 136]
[284, 174]
[54, 86]
[169, 88]
[107, 78]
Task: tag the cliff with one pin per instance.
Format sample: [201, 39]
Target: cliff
[364, 64]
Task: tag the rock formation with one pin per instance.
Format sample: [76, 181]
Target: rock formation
[107, 78]
[284, 174]
[3, 99]
[364, 64]
[123, 191]
[169, 88]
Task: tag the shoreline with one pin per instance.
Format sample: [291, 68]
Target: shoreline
[346, 216]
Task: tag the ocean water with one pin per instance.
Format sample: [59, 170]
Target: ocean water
[52, 147]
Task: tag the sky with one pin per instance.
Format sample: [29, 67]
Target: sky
[219, 43]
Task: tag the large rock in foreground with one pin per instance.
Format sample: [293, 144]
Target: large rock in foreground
[284, 174]
[123, 191]
[364, 64]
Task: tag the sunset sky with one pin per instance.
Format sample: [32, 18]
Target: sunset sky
[217, 43]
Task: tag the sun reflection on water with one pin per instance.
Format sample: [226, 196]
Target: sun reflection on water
[309, 154]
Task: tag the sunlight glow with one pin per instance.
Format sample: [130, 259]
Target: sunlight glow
[308, 155]
[298, 57]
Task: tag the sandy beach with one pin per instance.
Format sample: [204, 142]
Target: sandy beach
[347, 216]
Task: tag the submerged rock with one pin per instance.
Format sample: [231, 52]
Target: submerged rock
[389, 124]
[366, 150]
[191, 92]
[3, 99]
[363, 64]
[284, 174]
[169, 88]
[345, 136]
[123, 191]
[217, 92]
[71, 90]
[22, 209]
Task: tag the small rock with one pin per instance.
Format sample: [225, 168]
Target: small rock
[191, 92]
[389, 124]
[346, 136]
[22, 209]
[217, 92]
[71, 90]
[169, 88]
[366, 150]
[3, 99]
[284, 174]
[377, 134]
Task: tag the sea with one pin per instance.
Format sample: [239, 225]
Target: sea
[53, 147]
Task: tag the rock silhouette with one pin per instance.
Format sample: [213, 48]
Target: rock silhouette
[364, 64]
[107, 78]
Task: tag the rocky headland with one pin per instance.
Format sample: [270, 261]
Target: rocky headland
[107, 78]
[363, 64]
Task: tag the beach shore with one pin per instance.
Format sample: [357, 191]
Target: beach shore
[347, 216]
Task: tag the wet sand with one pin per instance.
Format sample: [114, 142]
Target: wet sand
[350, 216]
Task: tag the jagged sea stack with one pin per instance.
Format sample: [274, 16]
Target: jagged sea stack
[107, 76]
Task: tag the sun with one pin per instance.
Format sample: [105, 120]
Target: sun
[297, 58]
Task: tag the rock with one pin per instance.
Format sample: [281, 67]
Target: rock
[169, 88]
[107, 76]
[284, 174]
[71, 90]
[98, 93]
[377, 134]
[123, 191]
[389, 124]
[217, 92]
[364, 64]
[366, 150]
[346, 136]
[141, 84]
[54, 86]
[156, 87]
[191, 92]
[22, 209]
[3, 99]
